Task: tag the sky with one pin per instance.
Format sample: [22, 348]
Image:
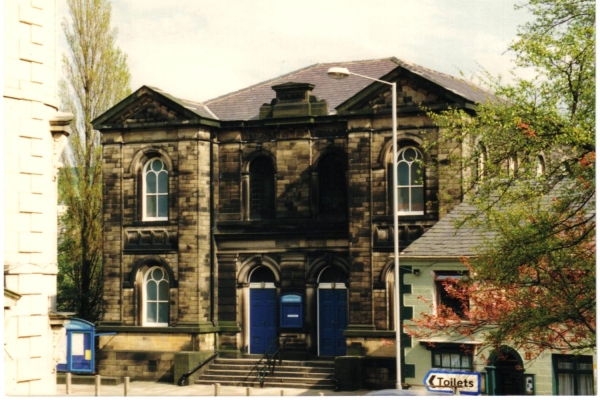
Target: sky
[201, 49]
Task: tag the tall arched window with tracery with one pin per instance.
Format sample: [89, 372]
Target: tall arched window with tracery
[156, 298]
[156, 191]
[410, 185]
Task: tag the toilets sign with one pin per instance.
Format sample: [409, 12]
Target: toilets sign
[447, 381]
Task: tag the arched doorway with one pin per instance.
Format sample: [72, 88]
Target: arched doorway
[505, 373]
[332, 311]
[263, 309]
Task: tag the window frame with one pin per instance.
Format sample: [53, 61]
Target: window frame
[540, 166]
[439, 288]
[145, 300]
[512, 165]
[480, 162]
[450, 349]
[410, 185]
[575, 371]
[157, 194]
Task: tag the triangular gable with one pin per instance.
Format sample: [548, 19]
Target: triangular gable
[413, 90]
[150, 105]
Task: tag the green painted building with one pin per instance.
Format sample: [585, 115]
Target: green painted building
[426, 263]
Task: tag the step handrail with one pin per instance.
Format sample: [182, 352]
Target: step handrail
[270, 361]
[185, 376]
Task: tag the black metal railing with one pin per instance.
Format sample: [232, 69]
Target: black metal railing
[266, 364]
[183, 380]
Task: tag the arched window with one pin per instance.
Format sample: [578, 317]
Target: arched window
[332, 187]
[155, 191]
[540, 166]
[332, 275]
[156, 298]
[411, 198]
[262, 274]
[262, 189]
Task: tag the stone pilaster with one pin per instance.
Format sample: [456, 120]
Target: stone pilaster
[112, 194]
[359, 220]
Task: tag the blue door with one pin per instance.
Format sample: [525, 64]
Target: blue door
[263, 319]
[333, 319]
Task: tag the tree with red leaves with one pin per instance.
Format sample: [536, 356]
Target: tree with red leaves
[529, 156]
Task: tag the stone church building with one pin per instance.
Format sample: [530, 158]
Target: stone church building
[266, 212]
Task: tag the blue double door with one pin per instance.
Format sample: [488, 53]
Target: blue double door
[333, 320]
[263, 319]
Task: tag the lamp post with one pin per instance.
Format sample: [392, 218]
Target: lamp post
[341, 73]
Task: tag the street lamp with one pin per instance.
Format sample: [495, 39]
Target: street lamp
[341, 73]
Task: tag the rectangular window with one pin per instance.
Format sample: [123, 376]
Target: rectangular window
[573, 375]
[451, 358]
[446, 302]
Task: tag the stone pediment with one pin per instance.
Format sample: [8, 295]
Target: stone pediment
[148, 109]
[416, 88]
[151, 106]
[409, 95]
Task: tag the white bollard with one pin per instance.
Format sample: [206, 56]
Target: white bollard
[68, 382]
[247, 391]
[217, 389]
[321, 394]
[98, 381]
[283, 392]
[126, 387]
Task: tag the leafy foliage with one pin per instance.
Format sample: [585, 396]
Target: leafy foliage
[529, 155]
[96, 77]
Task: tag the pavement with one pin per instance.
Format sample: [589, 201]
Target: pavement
[143, 388]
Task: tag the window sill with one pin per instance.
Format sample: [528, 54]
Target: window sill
[164, 222]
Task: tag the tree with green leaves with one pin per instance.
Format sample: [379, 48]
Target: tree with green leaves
[529, 157]
[96, 77]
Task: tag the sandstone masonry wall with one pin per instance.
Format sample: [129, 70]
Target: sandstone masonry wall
[31, 155]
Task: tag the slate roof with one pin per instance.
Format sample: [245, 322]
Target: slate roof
[245, 104]
[443, 240]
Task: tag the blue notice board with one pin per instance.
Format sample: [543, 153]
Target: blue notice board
[77, 347]
[291, 311]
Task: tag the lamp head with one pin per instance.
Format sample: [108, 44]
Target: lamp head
[338, 73]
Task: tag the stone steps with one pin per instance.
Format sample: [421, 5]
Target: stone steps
[298, 370]
[290, 363]
[314, 374]
[277, 374]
